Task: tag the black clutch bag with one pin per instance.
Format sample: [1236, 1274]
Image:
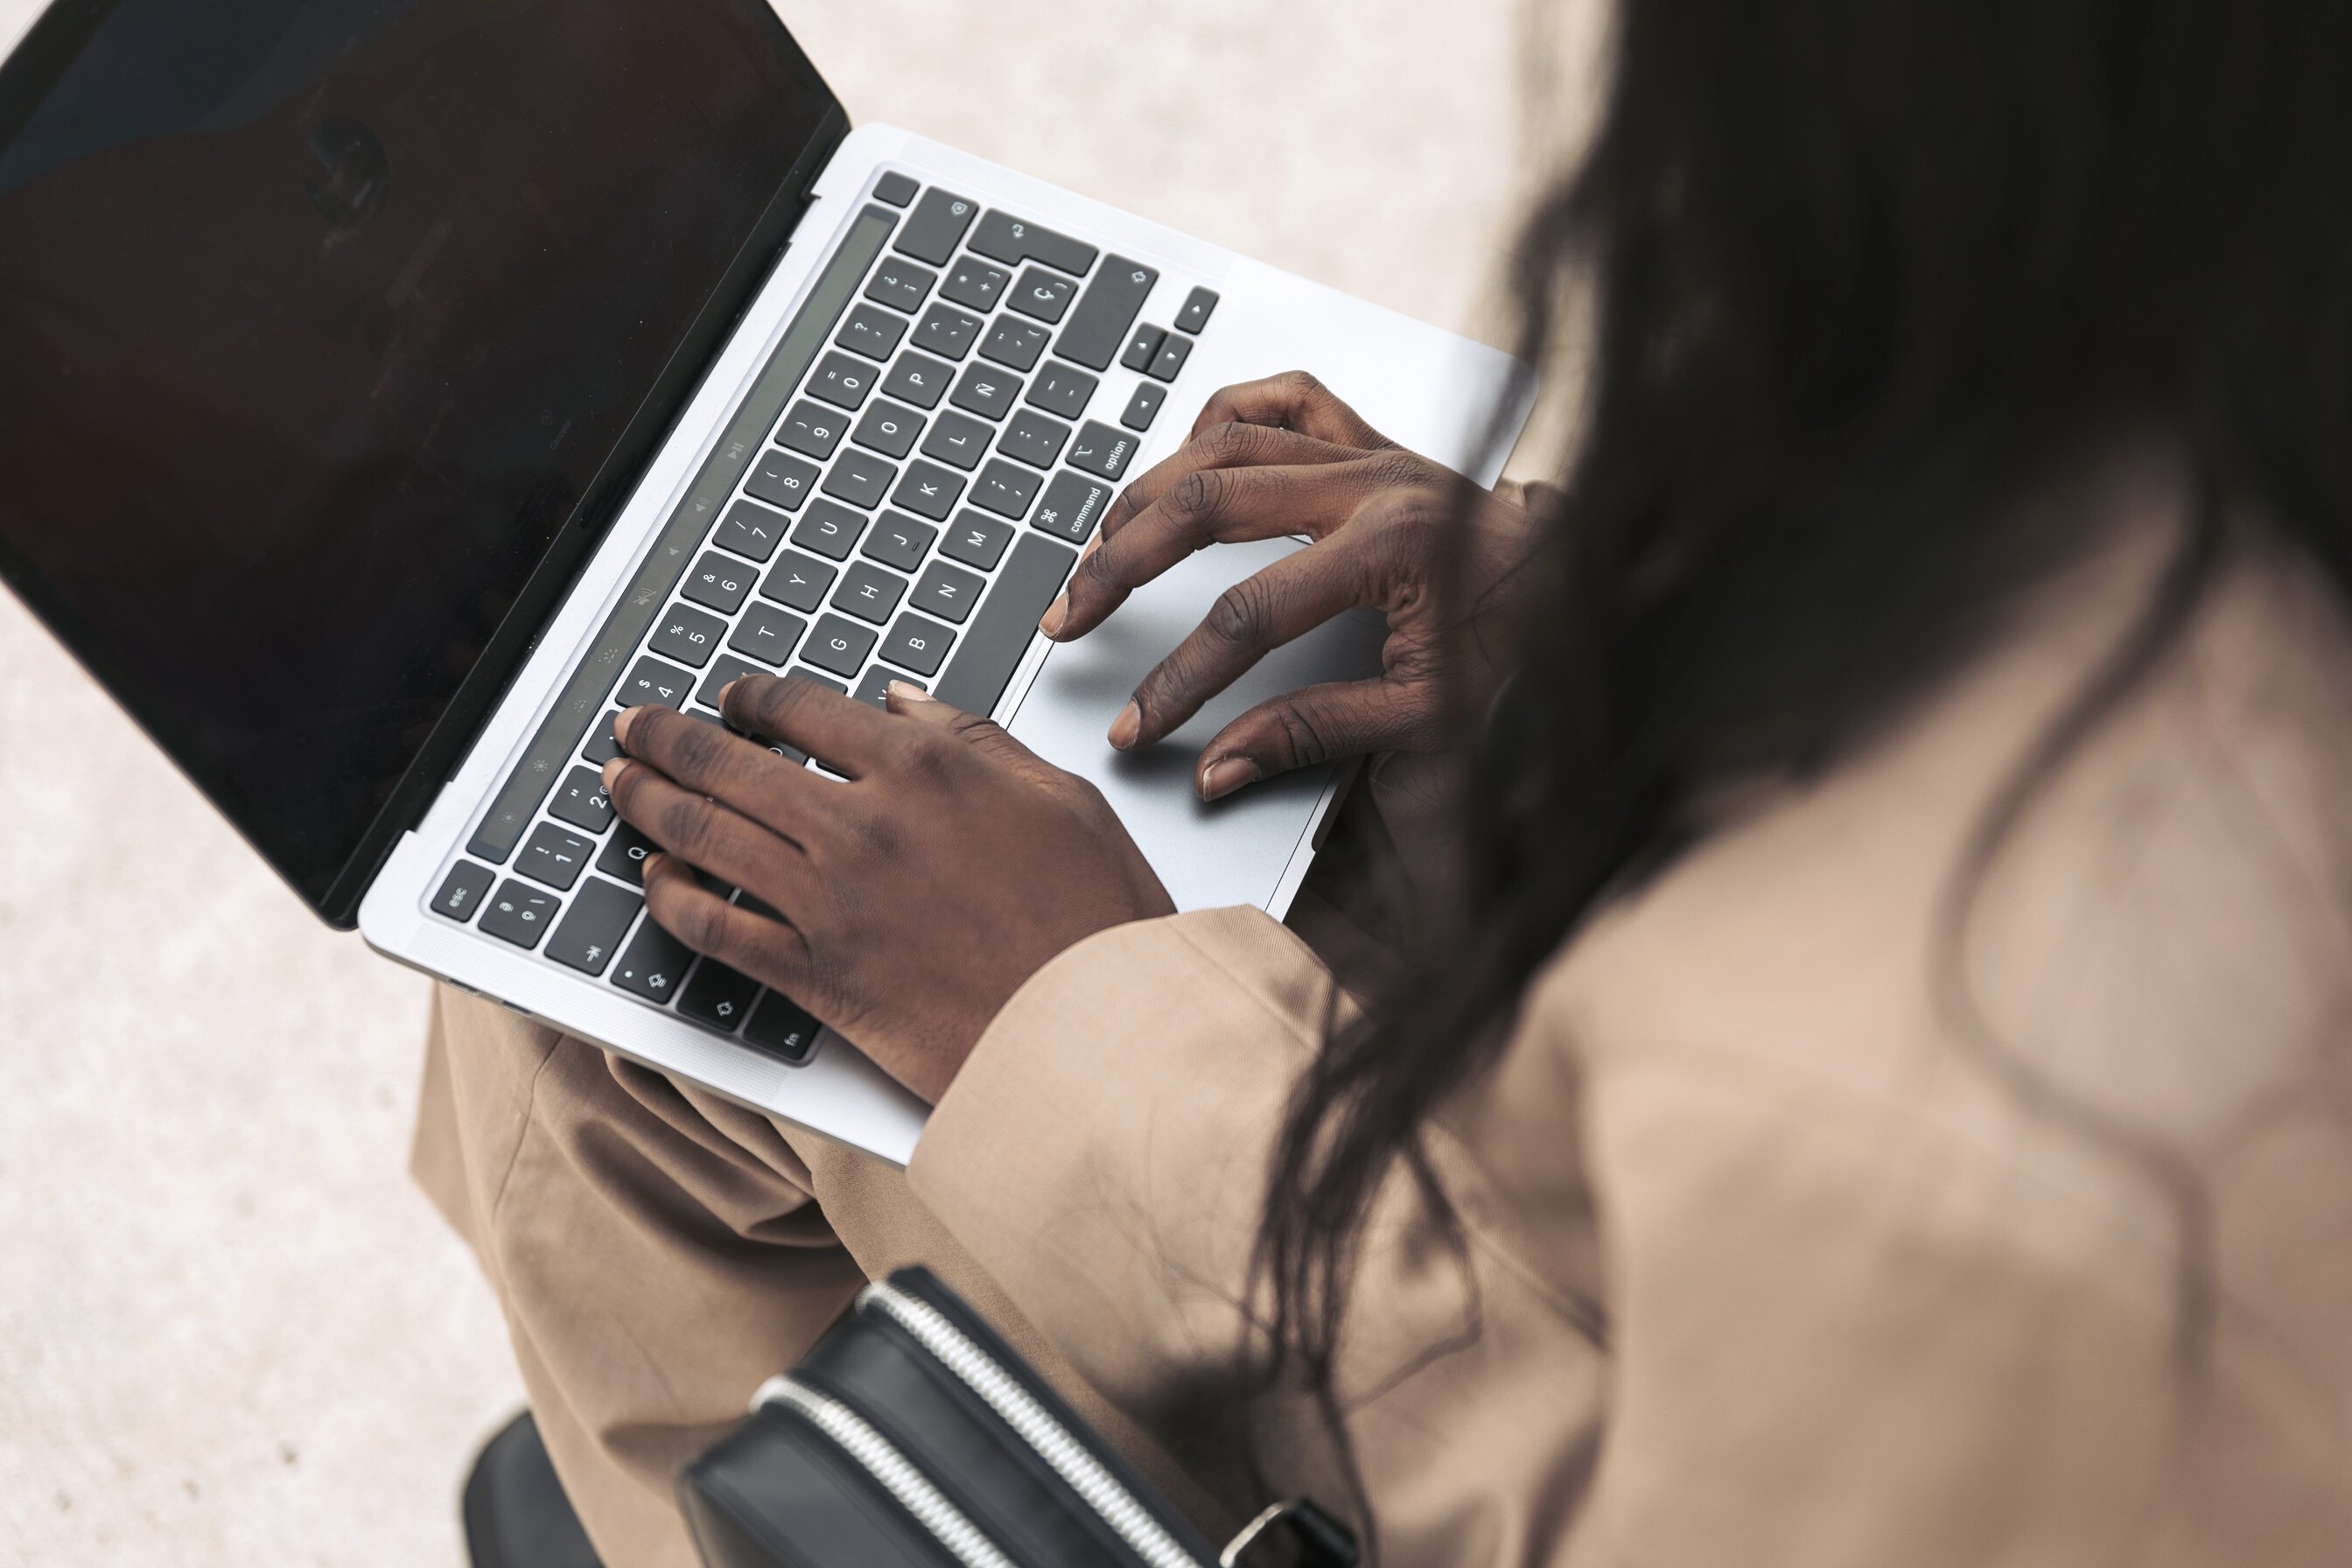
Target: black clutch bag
[912, 1436]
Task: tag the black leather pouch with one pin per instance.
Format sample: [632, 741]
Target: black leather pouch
[912, 1436]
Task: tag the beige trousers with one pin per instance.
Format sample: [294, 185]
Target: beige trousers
[659, 1251]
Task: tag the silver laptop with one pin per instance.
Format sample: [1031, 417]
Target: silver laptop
[397, 389]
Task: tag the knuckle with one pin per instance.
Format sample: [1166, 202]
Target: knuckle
[1241, 614]
[1302, 738]
[1230, 442]
[1194, 497]
[1301, 384]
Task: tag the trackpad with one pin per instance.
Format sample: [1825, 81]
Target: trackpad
[1235, 851]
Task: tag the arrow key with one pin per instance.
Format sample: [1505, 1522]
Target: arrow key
[718, 997]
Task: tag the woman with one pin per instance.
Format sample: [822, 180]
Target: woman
[1869, 1084]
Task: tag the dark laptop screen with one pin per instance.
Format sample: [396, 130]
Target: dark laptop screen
[318, 319]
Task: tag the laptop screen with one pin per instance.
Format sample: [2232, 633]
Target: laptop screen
[320, 320]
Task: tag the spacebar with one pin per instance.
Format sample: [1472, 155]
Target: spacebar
[1008, 619]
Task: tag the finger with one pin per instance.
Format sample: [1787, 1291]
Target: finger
[1286, 600]
[840, 731]
[1294, 401]
[705, 758]
[716, 837]
[983, 736]
[771, 952]
[1224, 444]
[1318, 725]
[1212, 506]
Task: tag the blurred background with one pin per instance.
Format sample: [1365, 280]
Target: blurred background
[230, 1330]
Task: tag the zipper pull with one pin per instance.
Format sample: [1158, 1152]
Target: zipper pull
[1294, 1534]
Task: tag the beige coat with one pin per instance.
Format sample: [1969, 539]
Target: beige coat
[1770, 1262]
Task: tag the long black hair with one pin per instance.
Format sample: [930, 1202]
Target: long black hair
[1862, 273]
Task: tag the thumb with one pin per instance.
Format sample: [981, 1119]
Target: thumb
[1318, 725]
[988, 738]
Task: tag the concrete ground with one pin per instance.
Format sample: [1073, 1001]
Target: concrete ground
[230, 1331]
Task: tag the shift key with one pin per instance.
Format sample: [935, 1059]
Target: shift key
[1097, 328]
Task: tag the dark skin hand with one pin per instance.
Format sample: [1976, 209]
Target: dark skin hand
[912, 901]
[906, 905]
[1278, 457]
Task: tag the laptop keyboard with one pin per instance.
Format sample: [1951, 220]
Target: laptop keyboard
[899, 497]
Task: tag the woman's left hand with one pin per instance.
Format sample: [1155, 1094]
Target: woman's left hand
[916, 897]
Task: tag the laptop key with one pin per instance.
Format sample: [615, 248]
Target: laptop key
[461, 891]
[1170, 359]
[895, 188]
[797, 580]
[1013, 240]
[928, 491]
[843, 382]
[1108, 308]
[841, 646]
[1000, 634]
[625, 856]
[1143, 347]
[782, 481]
[888, 428]
[1072, 507]
[1014, 343]
[718, 997]
[688, 636]
[917, 644]
[603, 745]
[1100, 449]
[869, 593]
[860, 479]
[728, 670]
[960, 440]
[900, 285]
[654, 681]
[553, 857]
[751, 530]
[918, 379]
[1060, 390]
[783, 1028]
[985, 392]
[1033, 438]
[1006, 489]
[581, 801]
[830, 529]
[592, 929]
[654, 964]
[1043, 297]
[872, 333]
[1198, 306]
[811, 428]
[950, 592]
[975, 284]
[1144, 406]
[947, 332]
[900, 541]
[768, 633]
[719, 582]
[519, 913]
[937, 226]
[977, 540]
[874, 690]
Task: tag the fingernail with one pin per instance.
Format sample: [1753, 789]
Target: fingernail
[908, 692]
[1126, 726]
[730, 687]
[1226, 775]
[613, 767]
[621, 722]
[1058, 611]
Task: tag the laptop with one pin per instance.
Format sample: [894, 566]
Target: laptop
[394, 389]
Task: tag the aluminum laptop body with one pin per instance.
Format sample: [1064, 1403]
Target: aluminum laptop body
[472, 875]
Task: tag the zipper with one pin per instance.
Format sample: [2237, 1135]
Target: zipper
[947, 1524]
[1048, 1438]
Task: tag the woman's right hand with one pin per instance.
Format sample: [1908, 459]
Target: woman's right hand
[1284, 456]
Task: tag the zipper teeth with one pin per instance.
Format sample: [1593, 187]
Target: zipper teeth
[945, 1523]
[1119, 1508]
